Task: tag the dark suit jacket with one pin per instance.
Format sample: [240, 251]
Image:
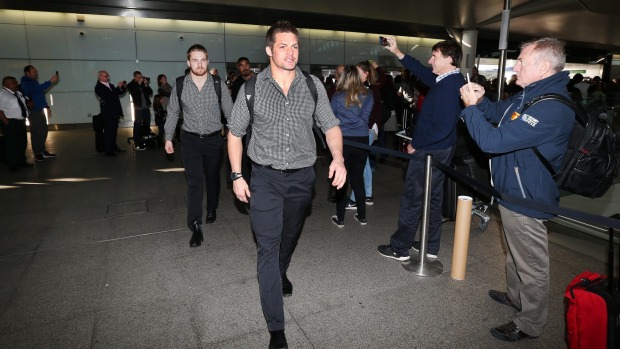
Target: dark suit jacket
[135, 90]
[109, 100]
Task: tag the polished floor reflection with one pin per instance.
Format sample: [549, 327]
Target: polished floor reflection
[94, 254]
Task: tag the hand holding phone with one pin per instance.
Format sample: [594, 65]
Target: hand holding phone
[383, 41]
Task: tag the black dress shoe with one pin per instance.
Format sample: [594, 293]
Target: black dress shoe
[502, 298]
[197, 237]
[211, 216]
[510, 333]
[278, 340]
[287, 287]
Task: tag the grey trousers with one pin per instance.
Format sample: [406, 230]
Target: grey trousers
[38, 130]
[527, 269]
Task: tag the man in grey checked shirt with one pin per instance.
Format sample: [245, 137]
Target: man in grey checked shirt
[202, 140]
[283, 151]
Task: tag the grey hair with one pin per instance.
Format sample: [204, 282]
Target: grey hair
[550, 50]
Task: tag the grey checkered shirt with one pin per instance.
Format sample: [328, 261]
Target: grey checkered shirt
[282, 128]
[201, 110]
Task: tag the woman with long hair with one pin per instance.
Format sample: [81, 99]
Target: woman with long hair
[352, 104]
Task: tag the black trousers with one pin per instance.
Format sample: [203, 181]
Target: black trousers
[16, 141]
[411, 202]
[354, 161]
[202, 158]
[110, 129]
[277, 209]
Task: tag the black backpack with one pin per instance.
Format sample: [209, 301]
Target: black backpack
[590, 163]
[250, 88]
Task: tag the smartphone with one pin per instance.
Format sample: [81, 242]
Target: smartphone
[383, 41]
[57, 73]
[468, 78]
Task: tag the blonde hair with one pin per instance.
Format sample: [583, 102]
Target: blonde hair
[351, 83]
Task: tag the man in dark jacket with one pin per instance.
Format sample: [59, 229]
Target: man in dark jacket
[435, 134]
[140, 94]
[518, 172]
[111, 109]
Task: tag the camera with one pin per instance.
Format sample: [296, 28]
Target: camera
[124, 82]
[383, 41]
[147, 79]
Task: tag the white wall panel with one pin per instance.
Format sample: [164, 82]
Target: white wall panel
[252, 47]
[171, 69]
[13, 41]
[326, 35]
[70, 20]
[158, 24]
[12, 67]
[11, 17]
[246, 29]
[67, 43]
[73, 108]
[170, 47]
[327, 52]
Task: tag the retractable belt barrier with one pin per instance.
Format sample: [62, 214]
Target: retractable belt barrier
[487, 190]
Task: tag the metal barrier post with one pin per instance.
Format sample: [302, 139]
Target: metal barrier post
[420, 265]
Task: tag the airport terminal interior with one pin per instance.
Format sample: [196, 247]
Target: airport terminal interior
[94, 250]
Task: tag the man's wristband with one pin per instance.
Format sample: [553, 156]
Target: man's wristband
[235, 175]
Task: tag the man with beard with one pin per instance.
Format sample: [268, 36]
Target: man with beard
[202, 140]
[243, 64]
[283, 152]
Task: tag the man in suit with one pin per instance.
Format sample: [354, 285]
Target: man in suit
[111, 109]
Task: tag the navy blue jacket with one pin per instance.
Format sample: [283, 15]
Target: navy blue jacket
[515, 168]
[35, 91]
[353, 119]
[435, 127]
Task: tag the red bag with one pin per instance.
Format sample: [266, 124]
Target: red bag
[585, 311]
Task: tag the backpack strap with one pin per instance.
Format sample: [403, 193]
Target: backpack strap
[250, 87]
[217, 84]
[580, 116]
[179, 86]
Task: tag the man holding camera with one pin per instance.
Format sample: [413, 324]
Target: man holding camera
[111, 109]
[140, 94]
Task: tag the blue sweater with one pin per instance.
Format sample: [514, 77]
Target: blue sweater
[353, 119]
[436, 125]
[515, 168]
[35, 91]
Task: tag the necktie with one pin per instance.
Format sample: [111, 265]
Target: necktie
[21, 105]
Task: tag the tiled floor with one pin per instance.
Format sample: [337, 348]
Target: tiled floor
[94, 254]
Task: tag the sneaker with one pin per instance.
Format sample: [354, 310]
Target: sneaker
[39, 157]
[502, 298]
[416, 247]
[386, 251]
[47, 154]
[140, 147]
[362, 221]
[338, 223]
[369, 201]
[351, 205]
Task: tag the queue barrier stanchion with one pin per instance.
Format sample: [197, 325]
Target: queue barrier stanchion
[421, 266]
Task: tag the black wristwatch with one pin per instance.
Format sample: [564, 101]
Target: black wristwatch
[235, 175]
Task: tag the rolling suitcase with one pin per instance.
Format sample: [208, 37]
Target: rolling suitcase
[592, 309]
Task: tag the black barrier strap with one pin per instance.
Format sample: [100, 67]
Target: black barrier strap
[487, 190]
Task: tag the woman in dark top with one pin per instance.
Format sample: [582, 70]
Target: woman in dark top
[352, 104]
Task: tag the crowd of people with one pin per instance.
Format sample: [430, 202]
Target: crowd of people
[271, 148]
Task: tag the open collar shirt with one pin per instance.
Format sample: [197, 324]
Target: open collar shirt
[282, 134]
[9, 104]
[201, 109]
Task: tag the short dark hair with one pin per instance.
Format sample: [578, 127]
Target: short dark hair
[159, 78]
[6, 79]
[196, 47]
[28, 68]
[449, 48]
[282, 26]
[136, 73]
[241, 59]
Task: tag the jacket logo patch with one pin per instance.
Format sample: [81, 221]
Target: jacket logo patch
[530, 120]
[248, 97]
[514, 116]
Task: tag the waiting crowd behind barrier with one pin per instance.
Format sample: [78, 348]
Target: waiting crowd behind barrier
[360, 104]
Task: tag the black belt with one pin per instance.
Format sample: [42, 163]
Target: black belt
[269, 167]
[204, 135]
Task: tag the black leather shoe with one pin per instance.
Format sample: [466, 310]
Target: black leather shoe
[287, 287]
[278, 340]
[197, 237]
[510, 333]
[211, 216]
[502, 298]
